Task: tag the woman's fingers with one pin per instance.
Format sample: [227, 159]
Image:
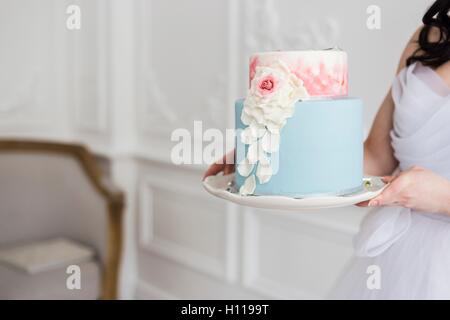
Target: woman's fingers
[390, 195]
[213, 170]
[362, 204]
[228, 169]
[226, 164]
[377, 200]
[388, 179]
[381, 199]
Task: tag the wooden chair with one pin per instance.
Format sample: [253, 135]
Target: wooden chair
[50, 189]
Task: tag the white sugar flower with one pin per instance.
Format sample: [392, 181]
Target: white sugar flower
[269, 103]
[255, 152]
[244, 168]
[264, 172]
[249, 186]
[247, 137]
[270, 142]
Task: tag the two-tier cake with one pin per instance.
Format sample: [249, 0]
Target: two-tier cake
[299, 134]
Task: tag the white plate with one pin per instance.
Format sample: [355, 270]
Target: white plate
[219, 186]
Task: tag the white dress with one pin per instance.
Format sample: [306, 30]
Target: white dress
[411, 250]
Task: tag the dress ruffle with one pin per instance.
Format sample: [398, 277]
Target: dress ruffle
[420, 136]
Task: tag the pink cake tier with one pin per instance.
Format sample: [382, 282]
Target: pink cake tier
[323, 72]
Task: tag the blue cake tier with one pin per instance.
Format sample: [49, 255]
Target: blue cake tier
[320, 152]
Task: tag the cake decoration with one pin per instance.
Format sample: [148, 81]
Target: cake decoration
[270, 101]
[323, 72]
[300, 134]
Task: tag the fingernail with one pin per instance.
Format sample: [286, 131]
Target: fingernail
[373, 203]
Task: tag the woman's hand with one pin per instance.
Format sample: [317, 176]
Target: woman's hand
[226, 164]
[415, 188]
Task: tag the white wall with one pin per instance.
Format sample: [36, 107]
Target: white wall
[139, 69]
[32, 62]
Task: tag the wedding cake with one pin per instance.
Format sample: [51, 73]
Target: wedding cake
[299, 134]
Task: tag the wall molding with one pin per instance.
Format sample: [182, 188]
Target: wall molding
[251, 275]
[175, 252]
[99, 124]
[157, 117]
[153, 105]
[25, 96]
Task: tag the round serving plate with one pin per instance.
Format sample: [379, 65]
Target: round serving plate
[222, 186]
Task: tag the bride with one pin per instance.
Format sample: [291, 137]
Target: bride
[407, 238]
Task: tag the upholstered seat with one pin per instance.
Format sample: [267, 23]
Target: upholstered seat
[55, 190]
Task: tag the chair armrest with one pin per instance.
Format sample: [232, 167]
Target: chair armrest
[111, 191]
[105, 190]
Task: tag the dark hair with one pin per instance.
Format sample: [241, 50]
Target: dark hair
[434, 54]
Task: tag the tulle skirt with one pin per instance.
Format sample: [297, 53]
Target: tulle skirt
[416, 266]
